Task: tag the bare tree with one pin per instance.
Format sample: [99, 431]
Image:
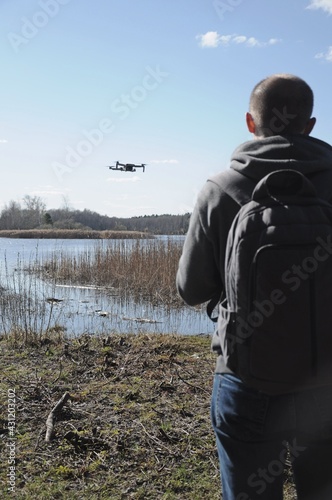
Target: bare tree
[34, 210]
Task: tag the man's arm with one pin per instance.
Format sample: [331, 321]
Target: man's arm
[200, 274]
[198, 277]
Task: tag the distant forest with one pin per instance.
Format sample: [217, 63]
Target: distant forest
[32, 214]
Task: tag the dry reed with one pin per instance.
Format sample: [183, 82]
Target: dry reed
[24, 313]
[139, 269]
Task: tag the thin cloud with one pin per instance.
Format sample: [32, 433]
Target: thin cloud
[325, 55]
[3, 141]
[210, 39]
[325, 5]
[213, 39]
[164, 161]
[43, 190]
[124, 179]
[48, 192]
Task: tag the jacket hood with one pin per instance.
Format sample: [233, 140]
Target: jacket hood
[257, 158]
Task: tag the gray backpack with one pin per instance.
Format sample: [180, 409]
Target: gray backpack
[275, 323]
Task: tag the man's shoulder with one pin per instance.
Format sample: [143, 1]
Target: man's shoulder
[235, 184]
[230, 175]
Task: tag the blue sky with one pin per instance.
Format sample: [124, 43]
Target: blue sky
[164, 82]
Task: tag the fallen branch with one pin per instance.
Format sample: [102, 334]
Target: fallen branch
[191, 385]
[51, 417]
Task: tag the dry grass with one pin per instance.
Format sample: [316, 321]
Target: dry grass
[140, 269]
[24, 313]
[137, 425]
[134, 270]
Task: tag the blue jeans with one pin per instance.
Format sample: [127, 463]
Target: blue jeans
[255, 432]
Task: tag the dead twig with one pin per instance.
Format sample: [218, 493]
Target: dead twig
[51, 417]
[191, 385]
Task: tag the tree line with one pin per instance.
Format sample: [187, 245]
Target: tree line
[33, 214]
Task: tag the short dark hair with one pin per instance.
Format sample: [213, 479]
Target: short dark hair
[281, 104]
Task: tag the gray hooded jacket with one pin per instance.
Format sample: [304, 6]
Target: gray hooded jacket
[200, 276]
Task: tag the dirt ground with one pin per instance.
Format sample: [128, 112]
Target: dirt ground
[135, 424]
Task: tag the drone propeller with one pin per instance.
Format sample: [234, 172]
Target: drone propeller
[127, 167]
[113, 166]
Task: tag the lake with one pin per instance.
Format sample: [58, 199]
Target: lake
[89, 309]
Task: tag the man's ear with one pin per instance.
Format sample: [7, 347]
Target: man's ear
[250, 123]
[309, 126]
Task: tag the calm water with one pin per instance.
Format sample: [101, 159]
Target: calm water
[89, 310]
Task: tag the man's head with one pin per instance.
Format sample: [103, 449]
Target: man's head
[281, 104]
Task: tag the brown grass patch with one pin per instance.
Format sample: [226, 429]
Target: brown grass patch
[137, 425]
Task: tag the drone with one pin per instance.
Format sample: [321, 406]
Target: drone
[126, 167]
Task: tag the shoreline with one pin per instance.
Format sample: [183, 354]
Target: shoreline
[73, 234]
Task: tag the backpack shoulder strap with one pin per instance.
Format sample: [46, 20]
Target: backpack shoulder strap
[238, 186]
[211, 305]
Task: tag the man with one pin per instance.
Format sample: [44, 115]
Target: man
[255, 431]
